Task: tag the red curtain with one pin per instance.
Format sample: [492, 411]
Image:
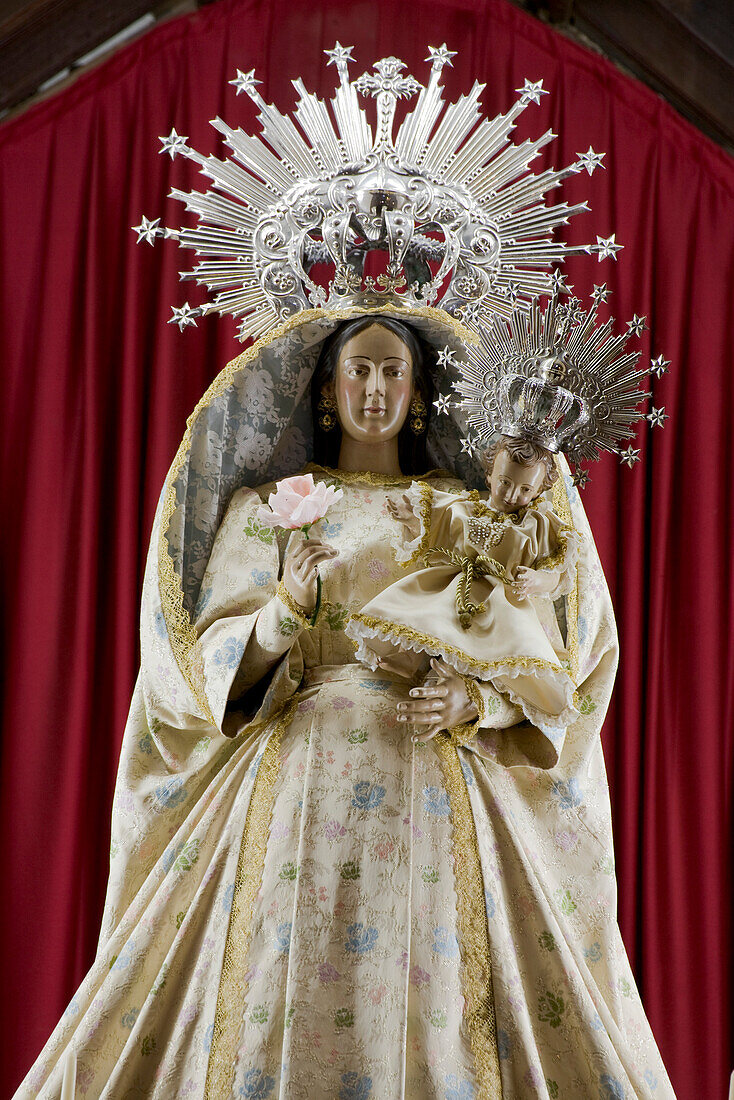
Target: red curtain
[97, 388]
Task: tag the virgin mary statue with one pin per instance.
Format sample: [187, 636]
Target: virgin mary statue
[328, 881]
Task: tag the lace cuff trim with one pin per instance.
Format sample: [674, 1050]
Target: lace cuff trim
[298, 612]
[465, 733]
[363, 627]
[420, 496]
[563, 561]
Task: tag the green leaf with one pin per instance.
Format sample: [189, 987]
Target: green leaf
[188, 855]
[343, 1017]
[148, 1044]
[350, 870]
[587, 705]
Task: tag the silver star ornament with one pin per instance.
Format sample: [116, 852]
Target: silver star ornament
[469, 446]
[442, 404]
[446, 357]
[559, 284]
[147, 230]
[636, 325]
[173, 144]
[183, 316]
[659, 366]
[245, 82]
[607, 246]
[601, 293]
[531, 91]
[591, 160]
[441, 55]
[339, 55]
[630, 456]
[657, 417]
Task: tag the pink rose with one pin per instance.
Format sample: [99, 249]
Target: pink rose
[298, 502]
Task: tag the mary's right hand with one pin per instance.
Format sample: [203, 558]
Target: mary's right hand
[301, 567]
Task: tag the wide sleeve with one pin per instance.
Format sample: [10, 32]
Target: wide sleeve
[501, 733]
[247, 622]
[554, 547]
[434, 510]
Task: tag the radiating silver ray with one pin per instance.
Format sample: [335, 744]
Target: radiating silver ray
[417, 124]
[554, 375]
[459, 119]
[313, 117]
[217, 209]
[257, 158]
[354, 129]
[448, 198]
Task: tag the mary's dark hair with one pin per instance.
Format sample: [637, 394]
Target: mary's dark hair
[411, 448]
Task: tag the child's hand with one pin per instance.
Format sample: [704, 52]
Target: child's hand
[533, 582]
[403, 512]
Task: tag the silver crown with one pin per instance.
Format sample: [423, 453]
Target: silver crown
[447, 199]
[558, 377]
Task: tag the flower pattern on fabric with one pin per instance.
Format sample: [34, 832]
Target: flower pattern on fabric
[436, 801]
[230, 654]
[360, 940]
[355, 1087]
[348, 935]
[459, 1090]
[567, 793]
[367, 796]
[445, 943]
[610, 1088]
[257, 1085]
[171, 793]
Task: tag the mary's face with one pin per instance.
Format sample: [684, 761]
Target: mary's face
[373, 385]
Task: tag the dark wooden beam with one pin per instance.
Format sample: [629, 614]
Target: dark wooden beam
[683, 49]
[44, 38]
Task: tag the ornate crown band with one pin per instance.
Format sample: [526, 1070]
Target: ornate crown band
[447, 199]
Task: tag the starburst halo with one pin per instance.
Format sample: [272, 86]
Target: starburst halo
[558, 376]
[445, 195]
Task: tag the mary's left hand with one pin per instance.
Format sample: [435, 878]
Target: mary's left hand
[438, 704]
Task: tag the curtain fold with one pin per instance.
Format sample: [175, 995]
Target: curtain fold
[97, 387]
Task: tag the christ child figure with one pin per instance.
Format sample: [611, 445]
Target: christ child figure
[488, 560]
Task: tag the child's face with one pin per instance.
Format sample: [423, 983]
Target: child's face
[512, 486]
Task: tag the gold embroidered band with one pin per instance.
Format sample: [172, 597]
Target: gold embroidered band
[248, 879]
[476, 963]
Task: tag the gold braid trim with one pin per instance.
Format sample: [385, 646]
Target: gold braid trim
[472, 926]
[388, 630]
[470, 567]
[248, 879]
[182, 636]
[465, 733]
[298, 612]
[562, 507]
[557, 558]
[369, 477]
[425, 506]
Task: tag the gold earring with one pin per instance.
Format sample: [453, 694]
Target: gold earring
[418, 412]
[326, 410]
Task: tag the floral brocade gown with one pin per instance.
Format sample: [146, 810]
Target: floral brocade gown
[308, 905]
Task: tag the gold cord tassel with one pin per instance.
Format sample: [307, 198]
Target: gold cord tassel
[479, 566]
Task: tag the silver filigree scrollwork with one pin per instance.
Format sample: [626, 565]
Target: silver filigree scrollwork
[445, 195]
